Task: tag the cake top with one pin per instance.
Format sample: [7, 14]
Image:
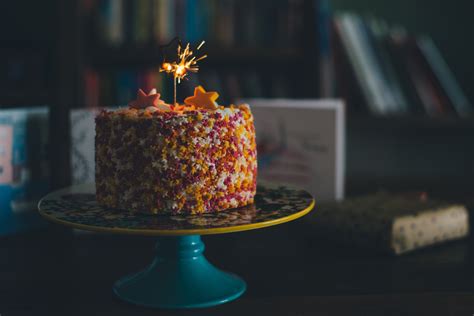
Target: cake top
[150, 104]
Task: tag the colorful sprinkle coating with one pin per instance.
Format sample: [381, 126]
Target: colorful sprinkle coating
[192, 161]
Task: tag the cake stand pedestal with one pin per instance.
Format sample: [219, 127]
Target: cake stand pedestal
[179, 276]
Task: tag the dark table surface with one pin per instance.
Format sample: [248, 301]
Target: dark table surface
[288, 270]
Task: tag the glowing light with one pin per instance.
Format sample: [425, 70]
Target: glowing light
[185, 63]
[166, 67]
[180, 71]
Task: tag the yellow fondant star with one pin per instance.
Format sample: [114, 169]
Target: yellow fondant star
[203, 99]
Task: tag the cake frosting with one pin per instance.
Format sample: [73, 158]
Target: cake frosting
[195, 158]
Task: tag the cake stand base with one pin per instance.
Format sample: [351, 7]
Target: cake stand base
[180, 277]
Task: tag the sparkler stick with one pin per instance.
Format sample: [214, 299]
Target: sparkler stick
[185, 63]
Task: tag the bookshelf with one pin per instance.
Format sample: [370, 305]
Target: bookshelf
[410, 123]
[90, 52]
[262, 40]
[420, 148]
[81, 48]
[151, 55]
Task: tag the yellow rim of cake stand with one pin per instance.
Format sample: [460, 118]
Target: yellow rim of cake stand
[180, 232]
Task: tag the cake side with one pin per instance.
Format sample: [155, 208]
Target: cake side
[194, 161]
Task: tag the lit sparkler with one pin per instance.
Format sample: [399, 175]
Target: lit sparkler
[186, 62]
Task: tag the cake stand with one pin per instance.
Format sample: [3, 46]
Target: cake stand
[179, 276]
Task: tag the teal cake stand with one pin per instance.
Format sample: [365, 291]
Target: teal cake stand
[179, 276]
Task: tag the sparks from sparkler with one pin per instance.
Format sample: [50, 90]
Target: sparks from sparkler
[186, 63]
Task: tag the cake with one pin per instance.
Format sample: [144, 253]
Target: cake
[193, 158]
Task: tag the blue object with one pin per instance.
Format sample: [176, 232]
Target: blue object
[180, 277]
[23, 167]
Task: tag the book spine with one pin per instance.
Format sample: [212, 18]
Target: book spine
[362, 68]
[167, 17]
[444, 76]
[426, 92]
[378, 31]
[394, 44]
[116, 23]
[225, 22]
[192, 16]
[141, 21]
[323, 25]
[124, 84]
[180, 18]
[91, 88]
[128, 19]
[110, 22]
[389, 102]
[210, 22]
[155, 12]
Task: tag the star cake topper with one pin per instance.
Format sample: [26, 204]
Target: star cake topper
[203, 99]
[145, 100]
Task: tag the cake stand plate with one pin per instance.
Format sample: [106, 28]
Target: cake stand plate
[179, 276]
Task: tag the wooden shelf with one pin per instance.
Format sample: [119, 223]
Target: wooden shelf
[20, 99]
[151, 55]
[372, 123]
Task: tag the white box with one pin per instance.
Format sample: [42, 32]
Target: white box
[301, 143]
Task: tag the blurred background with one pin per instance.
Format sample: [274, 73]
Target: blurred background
[404, 69]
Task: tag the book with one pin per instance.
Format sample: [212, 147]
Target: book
[355, 45]
[229, 23]
[111, 21]
[423, 85]
[396, 52]
[193, 18]
[389, 223]
[441, 100]
[142, 23]
[125, 81]
[323, 28]
[346, 84]
[180, 18]
[378, 31]
[225, 22]
[391, 71]
[444, 76]
[164, 17]
[91, 88]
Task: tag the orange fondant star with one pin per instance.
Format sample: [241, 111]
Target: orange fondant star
[203, 99]
[145, 100]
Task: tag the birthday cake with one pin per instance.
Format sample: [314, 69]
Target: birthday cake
[197, 157]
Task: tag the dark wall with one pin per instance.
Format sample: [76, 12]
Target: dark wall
[27, 38]
[27, 20]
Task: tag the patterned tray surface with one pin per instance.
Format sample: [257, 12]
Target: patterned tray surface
[76, 207]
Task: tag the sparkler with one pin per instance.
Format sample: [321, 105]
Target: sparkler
[185, 63]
